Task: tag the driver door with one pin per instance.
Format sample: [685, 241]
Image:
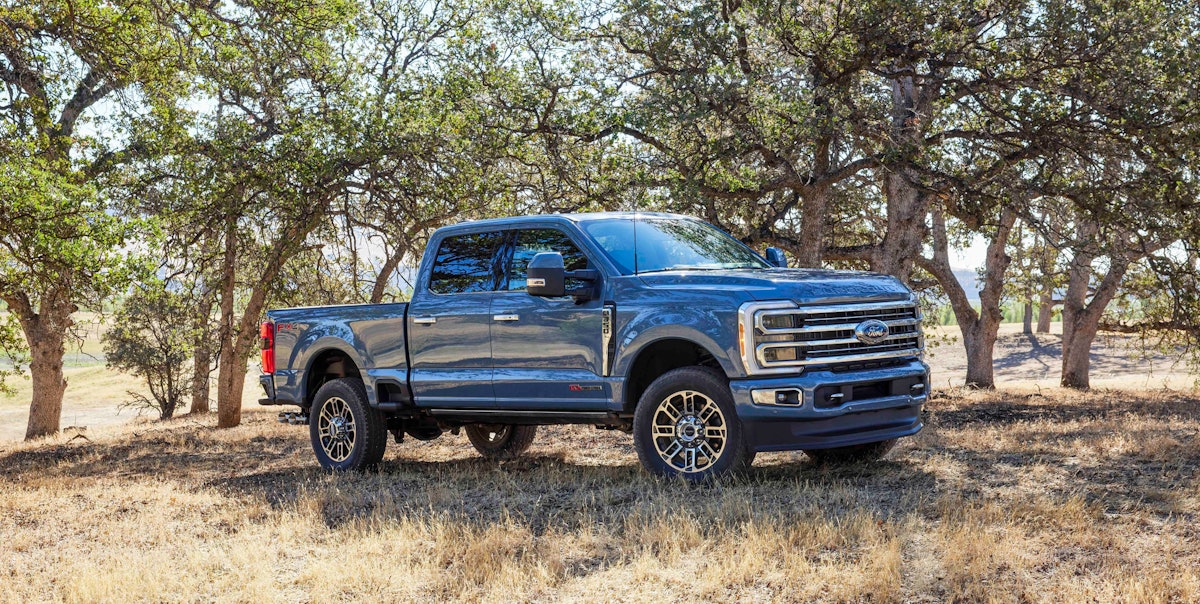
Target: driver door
[546, 352]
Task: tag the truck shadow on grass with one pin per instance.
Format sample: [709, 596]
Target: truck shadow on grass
[543, 491]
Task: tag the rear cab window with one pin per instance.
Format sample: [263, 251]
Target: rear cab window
[468, 263]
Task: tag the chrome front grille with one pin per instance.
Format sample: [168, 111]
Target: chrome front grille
[786, 337]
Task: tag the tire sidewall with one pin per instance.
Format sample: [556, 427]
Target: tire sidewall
[734, 458]
[354, 393]
[516, 442]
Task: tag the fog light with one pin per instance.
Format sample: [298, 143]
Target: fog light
[787, 398]
[774, 355]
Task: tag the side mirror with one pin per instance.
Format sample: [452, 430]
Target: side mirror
[776, 257]
[546, 276]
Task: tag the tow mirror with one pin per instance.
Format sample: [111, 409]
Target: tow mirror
[776, 257]
[547, 278]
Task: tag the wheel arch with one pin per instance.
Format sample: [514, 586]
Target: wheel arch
[658, 356]
[332, 361]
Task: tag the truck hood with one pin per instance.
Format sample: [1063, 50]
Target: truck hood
[803, 286]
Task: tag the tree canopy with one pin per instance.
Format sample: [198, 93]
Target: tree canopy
[278, 152]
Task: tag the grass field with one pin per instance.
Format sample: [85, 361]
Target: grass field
[1005, 497]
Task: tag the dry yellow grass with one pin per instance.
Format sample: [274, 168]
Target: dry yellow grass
[1004, 498]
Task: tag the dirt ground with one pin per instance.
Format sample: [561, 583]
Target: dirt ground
[1004, 497]
[1035, 361]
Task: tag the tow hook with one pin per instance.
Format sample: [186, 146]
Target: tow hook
[295, 418]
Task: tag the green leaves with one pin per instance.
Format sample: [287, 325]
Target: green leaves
[151, 338]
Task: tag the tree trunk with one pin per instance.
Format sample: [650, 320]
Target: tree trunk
[1045, 309]
[390, 264]
[1081, 318]
[229, 378]
[907, 202]
[813, 208]
[46, 348]
[907, 206]
[980, 344]
[45, 331]
[1077, 355]
[239, 335]
[1027, 328]
[979, 329]
[202, 355]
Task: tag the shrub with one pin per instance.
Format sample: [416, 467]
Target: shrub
[152, 338]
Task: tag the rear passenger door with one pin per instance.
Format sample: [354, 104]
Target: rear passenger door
[449, 323]
[546, 352]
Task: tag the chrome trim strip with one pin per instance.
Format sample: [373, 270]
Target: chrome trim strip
[851, 358]
[830, 327]
[808, 310]
[810, 343]
[606, 333]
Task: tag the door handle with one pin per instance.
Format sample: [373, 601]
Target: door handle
[424, 320]
[506, 317]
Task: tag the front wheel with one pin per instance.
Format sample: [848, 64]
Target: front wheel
[686, 425]
[501, 441]
[346, 433]
[852, 454]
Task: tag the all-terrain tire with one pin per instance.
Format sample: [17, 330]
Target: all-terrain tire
[346, 432]
[686, 425]
[853, 454]
[501, 441]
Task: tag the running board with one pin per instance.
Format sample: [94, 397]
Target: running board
[500, 416]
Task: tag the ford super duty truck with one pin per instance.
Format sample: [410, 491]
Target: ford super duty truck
[655, 324]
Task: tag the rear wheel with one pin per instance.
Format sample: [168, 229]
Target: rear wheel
[686, 425]
[346, 432]
[501, 441]
[852, 454]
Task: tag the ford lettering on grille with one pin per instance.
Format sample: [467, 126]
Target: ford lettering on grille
[871, 332]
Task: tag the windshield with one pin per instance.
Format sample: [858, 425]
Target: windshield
[664, 244]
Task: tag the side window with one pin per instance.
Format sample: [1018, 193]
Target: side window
[531, 242]
[466, 263]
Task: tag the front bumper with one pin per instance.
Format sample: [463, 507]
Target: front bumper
[809, 425]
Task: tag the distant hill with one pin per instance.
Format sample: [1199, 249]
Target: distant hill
[969, 281]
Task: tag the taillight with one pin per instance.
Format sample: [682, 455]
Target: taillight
[267, 334]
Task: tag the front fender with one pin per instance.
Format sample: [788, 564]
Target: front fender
[715, 331]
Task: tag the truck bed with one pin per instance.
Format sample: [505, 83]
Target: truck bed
[371, 334]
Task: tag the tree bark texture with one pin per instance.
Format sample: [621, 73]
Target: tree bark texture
[202, 355]
[979, 329]
[45, 331]
[1045, 308]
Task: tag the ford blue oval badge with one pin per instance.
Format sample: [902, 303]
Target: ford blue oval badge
[873, 331]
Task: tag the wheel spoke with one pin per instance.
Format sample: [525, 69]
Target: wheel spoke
[689, 460]
[664, 430]
[715, 432]
[671, 452]
[668, 409]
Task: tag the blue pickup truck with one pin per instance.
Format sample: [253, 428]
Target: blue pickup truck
[655, 324]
